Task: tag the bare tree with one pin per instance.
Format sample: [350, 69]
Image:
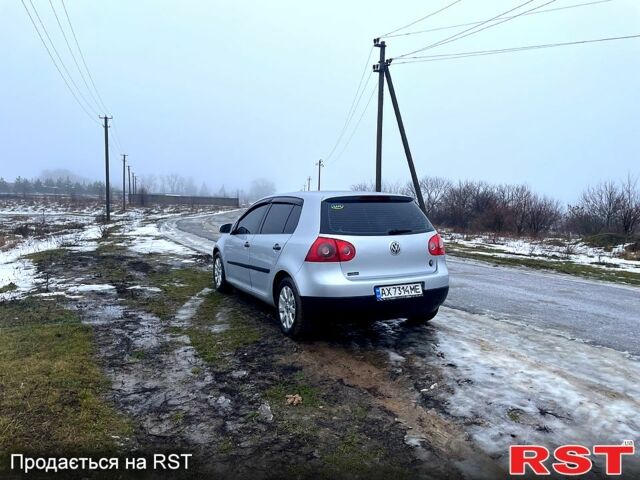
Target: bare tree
[433, 190]
[520, 206]
[261, 187]
[602, 203]
[458, 204]
[629, 212]
[388, 187]
[363, 187]
[172, 183]
[544, 213]
[204, 190]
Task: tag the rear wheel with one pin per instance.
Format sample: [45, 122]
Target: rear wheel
[424, 318]
[289, 308]
[219, 276]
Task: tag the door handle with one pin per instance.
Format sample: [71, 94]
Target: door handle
[277, 247]
[246, 244]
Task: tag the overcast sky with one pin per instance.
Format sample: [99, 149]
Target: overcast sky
[230, 91]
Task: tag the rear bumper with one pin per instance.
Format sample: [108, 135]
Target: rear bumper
[369, 308]
[328, 280]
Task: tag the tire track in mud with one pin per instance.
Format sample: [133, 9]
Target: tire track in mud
[426, 428]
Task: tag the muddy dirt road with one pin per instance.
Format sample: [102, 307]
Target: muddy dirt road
[515, 356]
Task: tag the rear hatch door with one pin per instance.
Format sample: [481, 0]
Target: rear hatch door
[390, 235]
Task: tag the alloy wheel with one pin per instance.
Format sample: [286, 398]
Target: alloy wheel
[287, 307]
[217, 272]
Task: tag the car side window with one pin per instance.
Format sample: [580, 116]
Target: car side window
[250, 223]
[276, 218]
[292, 221]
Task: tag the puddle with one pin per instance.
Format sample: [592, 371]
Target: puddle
[92, 288]
[97, 314]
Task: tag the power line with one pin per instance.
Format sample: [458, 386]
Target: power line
[55, 50]
[478, 53]
[99, 101]
[66, 40]
[355, 129]
[350, 118]
[548, 10]
[498, 23]
[91, 117]
[84, 62]
[420, 19]
[116, 136]
[354, 104]
[469, 31]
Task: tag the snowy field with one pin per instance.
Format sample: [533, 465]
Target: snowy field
[28, 228]
[551, 249]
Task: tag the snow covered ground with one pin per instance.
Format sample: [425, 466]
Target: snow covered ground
[20, 272]
[64, 225]
[148, 239]
[551, 249]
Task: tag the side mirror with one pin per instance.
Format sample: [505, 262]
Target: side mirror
[226, 228]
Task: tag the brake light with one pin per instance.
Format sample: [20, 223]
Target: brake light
[436, 245]
[330, 250]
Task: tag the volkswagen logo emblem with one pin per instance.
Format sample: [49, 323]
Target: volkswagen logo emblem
[394, 248]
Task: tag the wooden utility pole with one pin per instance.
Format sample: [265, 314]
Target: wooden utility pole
[309, 183]
[405, 142]
[124, 176]
[129, 173]
[106, 166]
[381, 67]
[320, 164]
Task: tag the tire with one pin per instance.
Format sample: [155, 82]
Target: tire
[418, 319]
[289, 311]
[219, 276]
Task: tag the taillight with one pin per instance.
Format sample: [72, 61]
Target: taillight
[436, 245]
[330, 250]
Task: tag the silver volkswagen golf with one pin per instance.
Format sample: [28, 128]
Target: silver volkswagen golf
[367, 255]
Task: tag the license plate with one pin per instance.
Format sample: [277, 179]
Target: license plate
[398, 291]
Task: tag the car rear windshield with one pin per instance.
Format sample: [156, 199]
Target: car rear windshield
[372, 215]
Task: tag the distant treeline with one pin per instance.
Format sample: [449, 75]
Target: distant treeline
[24, 186]
[474, 206]
[65, 182]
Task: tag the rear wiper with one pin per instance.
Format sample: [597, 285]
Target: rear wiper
[399, 231]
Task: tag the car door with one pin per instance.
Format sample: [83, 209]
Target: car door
[238, 245]
[268, 245]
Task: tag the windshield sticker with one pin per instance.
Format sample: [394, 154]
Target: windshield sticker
[337, 206]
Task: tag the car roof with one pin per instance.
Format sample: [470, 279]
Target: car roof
[318, 196]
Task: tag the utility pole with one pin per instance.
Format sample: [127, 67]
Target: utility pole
[135, 184]
[309, 183]
[124, 176]
[106, 165]
[405, 142]
[129, 172]
[320, 164]
[381, 67]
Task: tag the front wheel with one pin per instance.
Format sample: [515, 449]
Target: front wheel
[219, 276]
[424, 318]
[290, 313]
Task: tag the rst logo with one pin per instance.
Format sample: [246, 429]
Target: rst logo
[569, 459]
